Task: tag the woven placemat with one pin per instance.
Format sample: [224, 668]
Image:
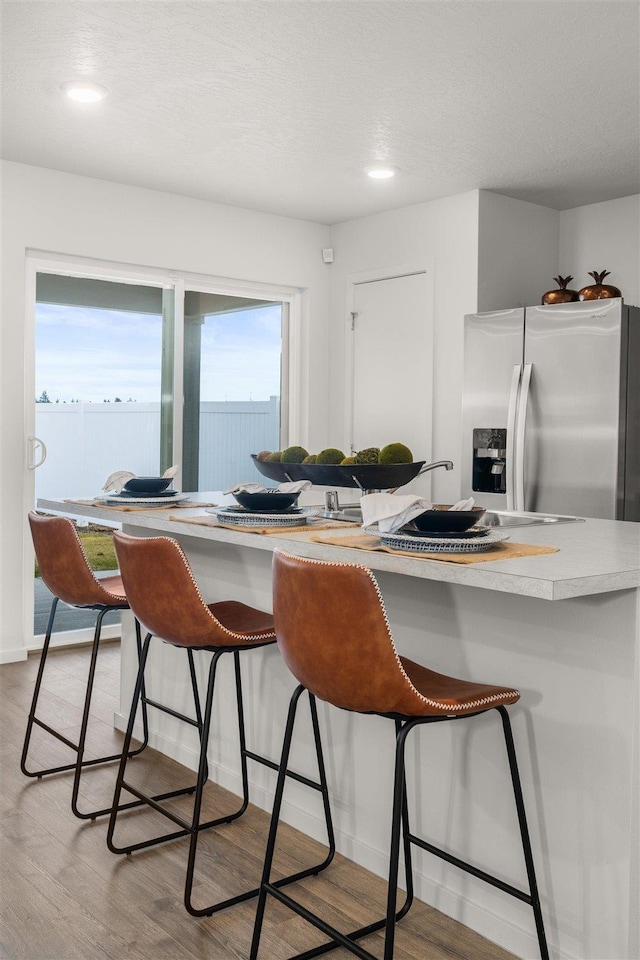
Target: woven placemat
[312, 524]
[499, 551]
[123, 507]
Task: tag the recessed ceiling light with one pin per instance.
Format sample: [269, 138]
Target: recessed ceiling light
[381, 173]
[84, 92]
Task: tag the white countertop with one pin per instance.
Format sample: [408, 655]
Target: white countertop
[594, 556]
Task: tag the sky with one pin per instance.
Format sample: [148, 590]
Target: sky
[93, 355]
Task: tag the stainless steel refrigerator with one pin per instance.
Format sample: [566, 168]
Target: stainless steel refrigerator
[551, 409]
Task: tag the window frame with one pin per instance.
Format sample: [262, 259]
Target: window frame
[293, 403]
[179, 282]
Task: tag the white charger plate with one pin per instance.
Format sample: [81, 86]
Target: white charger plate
[115, 498]
[433, 544]
[243, 511]
[247, 518]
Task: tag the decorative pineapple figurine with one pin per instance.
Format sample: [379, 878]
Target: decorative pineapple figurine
[562, 295]
[599, 290]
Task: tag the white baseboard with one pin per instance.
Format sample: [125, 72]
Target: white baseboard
[59, 640]
[13, 656]
[74, 638]
[500, 930]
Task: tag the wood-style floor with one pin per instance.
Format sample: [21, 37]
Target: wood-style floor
[64, 896]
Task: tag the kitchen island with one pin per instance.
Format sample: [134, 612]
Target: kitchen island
[562, 627]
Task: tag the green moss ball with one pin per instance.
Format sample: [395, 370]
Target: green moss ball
[395, 453]
[347, 461]
[294, 455]
[368, 455]
[330, 455]
[311, 458]
[274, 457]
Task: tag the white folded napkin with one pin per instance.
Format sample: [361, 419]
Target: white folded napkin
[292, 486]
[391, 512]
[463, 504]
[246, 488]
[116, 481]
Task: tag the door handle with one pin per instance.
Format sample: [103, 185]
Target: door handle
[510, 479]
[521, 426]
[36, 443]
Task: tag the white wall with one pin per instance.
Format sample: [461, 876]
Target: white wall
[517, 252]
[603, 236]
[522, 246]
[81, 217]
[442, 237]
[484, 252]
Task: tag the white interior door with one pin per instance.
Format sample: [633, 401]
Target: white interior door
[392, 364]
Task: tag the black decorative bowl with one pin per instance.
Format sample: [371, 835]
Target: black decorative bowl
[266, 502]
[443, 520]
[365, 476]
[147, 484]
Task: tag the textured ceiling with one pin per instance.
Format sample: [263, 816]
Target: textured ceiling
[278, 105]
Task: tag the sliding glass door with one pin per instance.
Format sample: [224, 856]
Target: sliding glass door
[103, 382]
[140, 376]
[103, 402]
[233, 348]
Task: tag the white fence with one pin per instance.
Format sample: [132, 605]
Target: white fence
[88, 441]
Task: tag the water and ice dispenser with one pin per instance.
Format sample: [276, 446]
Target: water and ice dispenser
[489, 460]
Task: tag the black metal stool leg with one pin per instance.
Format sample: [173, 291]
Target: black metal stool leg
[143, 700]
[241, 731]
[81, 763]
[399, 819]
[194, 826]
[121, 783]
[324, 789]
[524, 833]
[85, 720]
[353, 935]
[197, 827]
[273, 827]
[196, 697]
[267, 887]
[406, 840]
[34, 703]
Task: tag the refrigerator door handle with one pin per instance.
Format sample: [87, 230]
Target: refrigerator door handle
[521, 428]
[511, 451]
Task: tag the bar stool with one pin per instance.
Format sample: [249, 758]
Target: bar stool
[334, 636]
[65, 570]
[166, 600]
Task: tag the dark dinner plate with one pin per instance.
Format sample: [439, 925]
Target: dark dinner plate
[449, 534]
[266, 502]
[234, 508]
[146, 495]
[441, 519]
[147, 486]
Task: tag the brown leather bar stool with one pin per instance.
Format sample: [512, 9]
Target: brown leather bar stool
[65, 570]
[334, 636]
[167, 602]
